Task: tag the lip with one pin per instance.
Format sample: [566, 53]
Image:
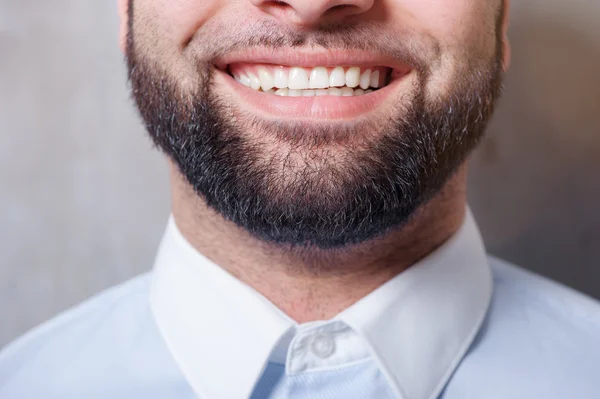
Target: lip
[311, 58]
[311, 108]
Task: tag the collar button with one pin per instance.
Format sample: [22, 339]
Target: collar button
[323, 346]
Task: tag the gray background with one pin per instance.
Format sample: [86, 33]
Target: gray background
[84, 197]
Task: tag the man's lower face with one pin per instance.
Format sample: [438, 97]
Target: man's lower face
[323, 148]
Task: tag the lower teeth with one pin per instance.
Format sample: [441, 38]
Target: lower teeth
[334, 91]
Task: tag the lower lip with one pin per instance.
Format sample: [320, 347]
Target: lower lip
[323, 107]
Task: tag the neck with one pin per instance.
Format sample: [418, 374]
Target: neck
[317, 285]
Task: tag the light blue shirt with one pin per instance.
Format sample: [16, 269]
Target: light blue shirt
[456, 325]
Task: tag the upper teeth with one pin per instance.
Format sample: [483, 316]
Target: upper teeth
[297, 78]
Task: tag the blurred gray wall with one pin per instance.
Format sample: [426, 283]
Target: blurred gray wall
[84, 197]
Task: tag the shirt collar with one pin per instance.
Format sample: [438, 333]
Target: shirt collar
[419, 324]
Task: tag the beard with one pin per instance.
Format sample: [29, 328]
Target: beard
[329, 189]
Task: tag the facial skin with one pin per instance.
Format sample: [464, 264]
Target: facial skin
[316, 178]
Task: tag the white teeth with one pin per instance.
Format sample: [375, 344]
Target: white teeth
[298, 79]
[337, 77]
[319, 78]
[280, 79]
[245, 80]
[254, 81]
[374, 80]
[266, 79]
[353, 77]
[347, 91]
[365, 79]
[333, 91]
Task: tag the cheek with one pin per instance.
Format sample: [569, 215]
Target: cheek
[465, 30]
[445, 16]
[176, 20]
[438, 17]
[455, 24]
[162, 29]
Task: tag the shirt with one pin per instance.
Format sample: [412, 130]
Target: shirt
[458, 324]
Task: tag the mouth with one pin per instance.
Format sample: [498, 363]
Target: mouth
[311, 82]
[308, 86]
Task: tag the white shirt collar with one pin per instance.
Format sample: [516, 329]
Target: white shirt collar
[419, 325]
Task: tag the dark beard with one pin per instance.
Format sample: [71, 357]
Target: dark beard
[326, 205]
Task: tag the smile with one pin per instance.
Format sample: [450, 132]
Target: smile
[311, 82]
[297, 85]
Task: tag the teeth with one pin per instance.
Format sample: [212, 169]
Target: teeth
[245, 80]
[298, 79]
[365, 79]
[280, 79]
[254, 81]
[332, 91]
[319, 78]
[347, 91]
[266, 79]
[353, 77]
[375, 80]
[337, 77]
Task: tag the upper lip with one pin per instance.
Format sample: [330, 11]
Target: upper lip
[309, 58]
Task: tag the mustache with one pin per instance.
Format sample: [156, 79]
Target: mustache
[418, 50]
